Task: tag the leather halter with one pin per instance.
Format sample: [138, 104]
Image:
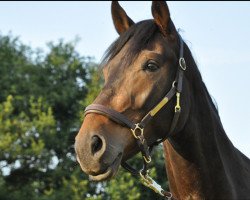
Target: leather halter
[137, 129]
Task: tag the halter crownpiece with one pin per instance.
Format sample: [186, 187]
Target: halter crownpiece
[137, 129]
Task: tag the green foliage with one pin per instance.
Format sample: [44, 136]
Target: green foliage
[94, 87]
[25, 132]
[42, 100]
[124, 185]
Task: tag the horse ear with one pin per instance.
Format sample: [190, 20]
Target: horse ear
[121, 20]
[161, 15]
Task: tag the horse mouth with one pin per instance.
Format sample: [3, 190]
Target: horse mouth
[109, 172]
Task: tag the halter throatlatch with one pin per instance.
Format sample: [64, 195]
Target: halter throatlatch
[137, 129]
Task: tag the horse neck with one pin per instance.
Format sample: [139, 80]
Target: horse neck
[201, 161]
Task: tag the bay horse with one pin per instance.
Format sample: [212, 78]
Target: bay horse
[154, 92]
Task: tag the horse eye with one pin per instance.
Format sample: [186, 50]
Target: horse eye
[151, 66]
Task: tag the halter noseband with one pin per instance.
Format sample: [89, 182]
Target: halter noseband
[137, 129]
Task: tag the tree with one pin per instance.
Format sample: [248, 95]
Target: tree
[23, 146]
[40, 99]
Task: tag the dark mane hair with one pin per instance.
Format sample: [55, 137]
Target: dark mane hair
[195, 78]
[141, 33]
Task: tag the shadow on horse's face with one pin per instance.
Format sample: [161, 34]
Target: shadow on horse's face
[133, 85]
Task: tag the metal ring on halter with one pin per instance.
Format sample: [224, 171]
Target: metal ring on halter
[137, 127]
[174, 84]
[147, 160]
[168, 197]
[182, 64]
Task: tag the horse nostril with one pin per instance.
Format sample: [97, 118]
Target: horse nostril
[96, 144]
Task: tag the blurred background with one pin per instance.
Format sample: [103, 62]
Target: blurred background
[49, 56]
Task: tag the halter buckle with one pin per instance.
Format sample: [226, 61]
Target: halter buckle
[139, 129]
[177, 108]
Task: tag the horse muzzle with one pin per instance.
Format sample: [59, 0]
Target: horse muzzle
[98, 155]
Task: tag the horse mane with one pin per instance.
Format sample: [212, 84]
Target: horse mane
[140, 34]
[195, 78]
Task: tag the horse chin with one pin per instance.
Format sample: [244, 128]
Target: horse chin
[110, 172]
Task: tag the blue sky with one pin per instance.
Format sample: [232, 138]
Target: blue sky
[216, 32]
